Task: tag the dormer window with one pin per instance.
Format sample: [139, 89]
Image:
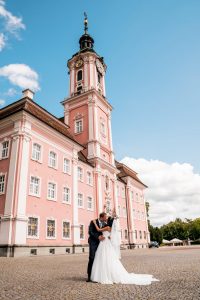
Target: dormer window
[79, 75]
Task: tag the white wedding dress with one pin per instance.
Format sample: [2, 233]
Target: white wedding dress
[107, 267]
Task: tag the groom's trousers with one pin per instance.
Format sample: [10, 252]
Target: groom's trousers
[92, 250]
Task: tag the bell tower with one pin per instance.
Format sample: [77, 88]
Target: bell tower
[86, 110]
[86, 68]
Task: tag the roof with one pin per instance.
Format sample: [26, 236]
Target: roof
[28, 105]
[83, 158]
[126, 171]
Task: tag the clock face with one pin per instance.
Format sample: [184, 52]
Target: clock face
[100, 67]
[79, 63]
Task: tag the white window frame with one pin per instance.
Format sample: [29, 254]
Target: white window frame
[50, 237]
[103, 128]
[56, 165]
[79, 179]
[75, 126]
[90, 209]
[63, 201]
[132, 196]
[134, 213]
[83, 232]
[136, 197]
[1, 148]
[41, 152]
[69, 171]
[38, 231]
[91, 178]
[5, 178]
[48, 198]
[40, 180]
[82, 200]
[123, 193]
[63, 237]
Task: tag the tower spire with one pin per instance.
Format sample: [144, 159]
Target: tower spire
[85, 23]
[86, 41]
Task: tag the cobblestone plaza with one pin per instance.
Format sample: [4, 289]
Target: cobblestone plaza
[63, 276]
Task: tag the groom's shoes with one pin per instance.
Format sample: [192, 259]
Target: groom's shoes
[88, 280]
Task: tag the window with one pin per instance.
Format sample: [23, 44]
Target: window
[79, 126]
[66, 195]
[145, 236]
[33, 227]
[35, 186]
[103, 128]
[5, 146]
[141, 199]
[89, 203]
[51, 191]
[52, 159]
[133, 213]
[136, 234]
[138, 215]
[136, 197]
[79, 75]
[80, 174]
[89, 178]
[123, 192]
[132, 195]
[124, 211]
[36, 152]
[51, 228]
[80, 200]
[66, 165]
[126, 234]
[2, 184]
[82, 232]
[66, 229]
[142, 215]
[140, 234]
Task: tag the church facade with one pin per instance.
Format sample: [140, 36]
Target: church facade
[57, 174]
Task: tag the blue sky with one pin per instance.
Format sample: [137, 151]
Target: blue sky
[152, 50]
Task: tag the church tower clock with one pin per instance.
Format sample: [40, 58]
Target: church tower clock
[88, 113]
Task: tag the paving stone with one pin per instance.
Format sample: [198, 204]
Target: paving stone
[64, 277]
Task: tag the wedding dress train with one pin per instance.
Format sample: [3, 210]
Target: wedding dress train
[107, 267]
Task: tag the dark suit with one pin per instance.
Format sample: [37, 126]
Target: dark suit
[93, 241]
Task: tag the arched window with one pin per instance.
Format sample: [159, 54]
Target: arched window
[79, 75]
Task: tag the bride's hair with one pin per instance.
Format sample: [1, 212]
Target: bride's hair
[110, 221]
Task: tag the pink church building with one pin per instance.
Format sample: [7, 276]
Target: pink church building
[57, 174]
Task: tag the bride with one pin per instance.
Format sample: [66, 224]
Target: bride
[107, 267]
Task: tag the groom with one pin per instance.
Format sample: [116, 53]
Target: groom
[94, 238]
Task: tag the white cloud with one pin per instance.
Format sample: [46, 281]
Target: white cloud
[2, 41]
[2, 102]
[21, 75]
[11, 92]
[11, 24]
[173, 189]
